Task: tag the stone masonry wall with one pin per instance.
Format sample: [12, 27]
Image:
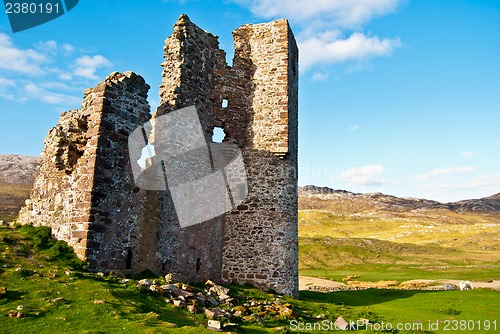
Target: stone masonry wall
[260, 235]
[117, 214]
[261, 240]
[191, 57]
[61, 195]
[85, 188]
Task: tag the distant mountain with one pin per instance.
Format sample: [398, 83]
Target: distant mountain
[313, 197]
[17, 174]
[18, 169]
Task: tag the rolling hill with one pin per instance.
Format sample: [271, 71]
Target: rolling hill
[17, 174]
[381, 236]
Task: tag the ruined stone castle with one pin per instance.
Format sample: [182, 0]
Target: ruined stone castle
[86, 193]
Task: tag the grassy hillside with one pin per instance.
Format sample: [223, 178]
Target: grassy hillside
[399, 246]
[43, 279]
[12, 197]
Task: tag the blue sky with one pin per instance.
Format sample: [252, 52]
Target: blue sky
[400, 97]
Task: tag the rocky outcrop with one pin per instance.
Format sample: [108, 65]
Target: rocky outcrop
[313, 197]
[18, 169]
[486, 204]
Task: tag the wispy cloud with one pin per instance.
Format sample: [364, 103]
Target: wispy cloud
[86, 66]
[489, 183]
[363, 176]
[15, 59]
[468, 154]
[68, 48]
[342, 13]
[47, 72]
[444, 172]
[319, 76]
[354, 128]
[4, 88]
[38, 93]
[356, 47]
[331, 29]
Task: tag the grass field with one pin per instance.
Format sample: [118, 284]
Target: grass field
[46, 280]
[398, 248]
[12, 197]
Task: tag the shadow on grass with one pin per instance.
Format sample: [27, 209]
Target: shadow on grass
[139, 305]
[360, 297]
[12, 295]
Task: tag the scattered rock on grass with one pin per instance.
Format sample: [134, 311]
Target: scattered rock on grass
[145, 282]
[341, 324]
[215, 325]
[16, 314]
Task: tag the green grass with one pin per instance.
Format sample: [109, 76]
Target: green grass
[373, 260]
[36, 270]
[398, 248]
[418, 307]
[12, 198]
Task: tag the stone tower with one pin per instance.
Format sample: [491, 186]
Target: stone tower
[86, 192]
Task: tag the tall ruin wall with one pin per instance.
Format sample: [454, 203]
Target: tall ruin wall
[85, 188]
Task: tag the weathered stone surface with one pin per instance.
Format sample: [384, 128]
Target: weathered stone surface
[85, 188]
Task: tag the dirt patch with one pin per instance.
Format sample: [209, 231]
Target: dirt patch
[494, 285]
[325, 285]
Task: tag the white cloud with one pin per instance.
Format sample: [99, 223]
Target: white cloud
[86, 66]
[47, 46]
[354, 128]
[68, 48]
[467, 154]
[317, 50]
[443, 172]
[363, 176]
[319, 76]
[14, 59]
[6, 82]
[4, 86]
[322, 40]
[477, 187]
[39, 93]
[65, 76]
[343, 13]
[22, 77]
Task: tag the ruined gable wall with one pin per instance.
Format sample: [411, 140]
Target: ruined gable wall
[117, 213]
[61, 195]
[84, 189]
[193, 63]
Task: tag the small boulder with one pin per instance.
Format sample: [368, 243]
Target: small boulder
[16, 314]
[209, 314]
[341, 324]
[145, 282]
[214, 325]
